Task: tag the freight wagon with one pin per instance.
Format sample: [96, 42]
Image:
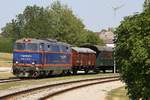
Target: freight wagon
[83, 59]
[104, 57]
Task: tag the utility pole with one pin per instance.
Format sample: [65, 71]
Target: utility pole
[116, 9]
[115, 12]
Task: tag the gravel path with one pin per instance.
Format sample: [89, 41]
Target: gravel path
[95, 92]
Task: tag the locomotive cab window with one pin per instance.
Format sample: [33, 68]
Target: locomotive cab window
[55, 48]
[48, 47]
[23, 46]
[41, 46]
[19, 46]
[32, 46]
[65, 48]
[68, 49]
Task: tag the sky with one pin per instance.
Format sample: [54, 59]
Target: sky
[95, 14]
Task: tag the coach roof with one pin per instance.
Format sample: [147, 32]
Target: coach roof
[83, 50]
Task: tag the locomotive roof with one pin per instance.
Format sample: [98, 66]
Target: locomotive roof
[104, 48]
[83, 50]
[33, 40]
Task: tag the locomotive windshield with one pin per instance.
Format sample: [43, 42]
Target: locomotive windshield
[19, 46]
[23, 46]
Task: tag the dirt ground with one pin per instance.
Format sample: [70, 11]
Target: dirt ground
[95, 92]
[5, 60]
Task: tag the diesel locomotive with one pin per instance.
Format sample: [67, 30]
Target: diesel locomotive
[43, 57]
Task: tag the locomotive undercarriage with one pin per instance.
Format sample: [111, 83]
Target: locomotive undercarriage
[104, 68]
[35, 72]
[86, 69]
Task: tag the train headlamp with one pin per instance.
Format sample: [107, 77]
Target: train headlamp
[33, 63]
[17, 62]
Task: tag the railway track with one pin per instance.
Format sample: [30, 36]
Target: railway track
[47, 91]
[10, 80]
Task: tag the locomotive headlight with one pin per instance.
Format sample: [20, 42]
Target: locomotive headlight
[33, 63]
[17, 62]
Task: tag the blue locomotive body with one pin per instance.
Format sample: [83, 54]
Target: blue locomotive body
[34, 57]
[27, 57]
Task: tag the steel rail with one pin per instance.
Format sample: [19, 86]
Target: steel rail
[73, 88]
[7, 80]
[15, 94]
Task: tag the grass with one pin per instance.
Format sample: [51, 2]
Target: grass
[6, 75]
[117, 94]
[26, 83]
[5, 59]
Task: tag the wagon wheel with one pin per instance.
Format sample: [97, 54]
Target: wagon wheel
[104, 71]
[74, 71]
[96, 71]
[86, 71]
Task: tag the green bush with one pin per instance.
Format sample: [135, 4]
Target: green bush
[6, 45]
[133, 54]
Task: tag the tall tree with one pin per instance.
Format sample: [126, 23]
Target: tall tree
[147, 5]
[133, 54]
[56, 21]
[92, 38]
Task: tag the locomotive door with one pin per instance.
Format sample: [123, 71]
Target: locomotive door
[42, 46]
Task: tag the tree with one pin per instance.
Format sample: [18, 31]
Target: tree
[147, 5]
[67, 27]
[56, 21]
[133, 54]
[92, 38]
[29, 24]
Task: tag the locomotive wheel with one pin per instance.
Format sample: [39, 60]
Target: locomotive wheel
[68, 72]
[35, 75]
[63, 73]
[86, 71]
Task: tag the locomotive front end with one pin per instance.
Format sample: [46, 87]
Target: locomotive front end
[26, 58]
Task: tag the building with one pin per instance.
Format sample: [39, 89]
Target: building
[107, 37]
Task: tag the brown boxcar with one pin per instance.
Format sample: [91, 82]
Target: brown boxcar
[83, 59]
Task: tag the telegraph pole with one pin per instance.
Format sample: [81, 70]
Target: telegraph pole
[115, 12]
[117, 8]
